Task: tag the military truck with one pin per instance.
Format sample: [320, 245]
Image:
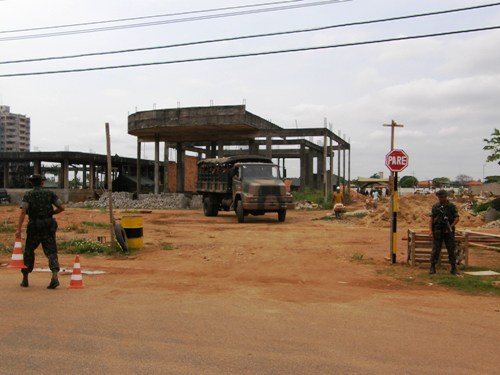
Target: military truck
[247, 184]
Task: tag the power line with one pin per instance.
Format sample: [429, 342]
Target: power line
[398, 18]
[179, 20]
[254, 53]
[148, 17]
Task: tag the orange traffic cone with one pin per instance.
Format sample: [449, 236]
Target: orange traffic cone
[76, 276]
[17, 260]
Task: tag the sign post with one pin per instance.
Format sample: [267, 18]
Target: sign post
[396, 161]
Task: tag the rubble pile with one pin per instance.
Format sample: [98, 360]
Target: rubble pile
[123, 200]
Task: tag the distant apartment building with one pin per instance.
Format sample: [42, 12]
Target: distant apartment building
[14, 131]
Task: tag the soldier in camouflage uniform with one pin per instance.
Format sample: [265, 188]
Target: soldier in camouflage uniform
[443, 219]
[39, 204]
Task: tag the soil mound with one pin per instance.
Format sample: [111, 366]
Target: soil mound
[414, 211]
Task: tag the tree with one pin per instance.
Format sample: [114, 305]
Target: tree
[408, 182]
[490, 179]
[493, 145]
[463, 178]
[441, 181]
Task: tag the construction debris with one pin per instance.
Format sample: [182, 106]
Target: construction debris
[123, 200]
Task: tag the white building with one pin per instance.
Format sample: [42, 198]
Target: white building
[14, 131]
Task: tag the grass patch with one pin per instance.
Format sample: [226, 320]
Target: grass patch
[96, 225]
[4, 249]
[75, 228]
[315, 196]
[357, 256]
[167, 246]
[7, 227]
[82, 246]
[469, 284]
[358, 214]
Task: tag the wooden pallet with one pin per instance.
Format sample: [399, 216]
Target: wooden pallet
[483, 240]
[420, 249]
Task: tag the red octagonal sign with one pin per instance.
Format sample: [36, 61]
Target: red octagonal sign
[396, 160]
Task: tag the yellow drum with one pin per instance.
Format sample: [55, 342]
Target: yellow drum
[133, 226]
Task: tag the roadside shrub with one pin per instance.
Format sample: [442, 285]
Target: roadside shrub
[82, 246]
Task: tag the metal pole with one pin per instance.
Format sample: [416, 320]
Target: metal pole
[394, 203]
[110, 190]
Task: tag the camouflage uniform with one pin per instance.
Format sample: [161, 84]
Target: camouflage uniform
[443, 215]
[41, 227]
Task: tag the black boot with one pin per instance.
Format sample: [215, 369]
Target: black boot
[453, 270]
[432, 270]
[25, 282]
[54, 282]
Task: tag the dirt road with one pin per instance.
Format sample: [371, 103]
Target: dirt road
[211, 296]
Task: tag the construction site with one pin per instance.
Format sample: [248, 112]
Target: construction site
[193, 291]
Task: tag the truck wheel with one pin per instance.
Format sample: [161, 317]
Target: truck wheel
[281, 215]
[240, 212]
[209, 207]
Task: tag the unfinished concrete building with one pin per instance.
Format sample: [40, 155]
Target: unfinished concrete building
[218, 131]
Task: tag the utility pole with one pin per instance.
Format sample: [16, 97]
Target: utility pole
[393, 181]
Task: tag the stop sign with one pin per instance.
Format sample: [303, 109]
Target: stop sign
[396, 160]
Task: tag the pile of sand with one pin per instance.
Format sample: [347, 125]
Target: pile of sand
[414, 211]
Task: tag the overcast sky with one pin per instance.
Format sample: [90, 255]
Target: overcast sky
[445, 90]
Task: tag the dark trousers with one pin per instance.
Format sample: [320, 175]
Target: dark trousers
[48, 241]
[448, 238]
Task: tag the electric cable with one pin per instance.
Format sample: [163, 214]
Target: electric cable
[398, 18]
[422, 36]
[189, 19]
[148, 17]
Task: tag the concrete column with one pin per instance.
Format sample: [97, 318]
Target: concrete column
[180, 168]
[349, 171]
[166, 161]
[138, 167]
[37, 167]
[213, 150]
[84, 178]
[253, 149]
[220, 149]
[157, 165]
[92, 177]
[310, 168]
[323, 172]
[269, 147]
[338, 164]
[343, 170]
[65, 174]
[303, 167]
[331, 169]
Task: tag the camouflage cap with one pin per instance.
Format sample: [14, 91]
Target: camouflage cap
[441, 193]
[36, 177]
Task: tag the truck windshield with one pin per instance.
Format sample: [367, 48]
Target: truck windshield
[260, 171]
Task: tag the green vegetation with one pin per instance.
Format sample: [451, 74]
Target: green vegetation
[82, 246]
[167, 246]
[7, 227]
[314, 196]
[357, 256]
[96, 225]
[468, 283]
[75, 228]
[493, 145]
[480, 207]
[408, 182]
[5, 249]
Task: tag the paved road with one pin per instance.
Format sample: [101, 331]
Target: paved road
[105, 329]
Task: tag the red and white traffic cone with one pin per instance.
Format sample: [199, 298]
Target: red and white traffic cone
[17, 260]
[76, 277]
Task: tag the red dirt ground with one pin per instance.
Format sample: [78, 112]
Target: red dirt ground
[211, 296]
